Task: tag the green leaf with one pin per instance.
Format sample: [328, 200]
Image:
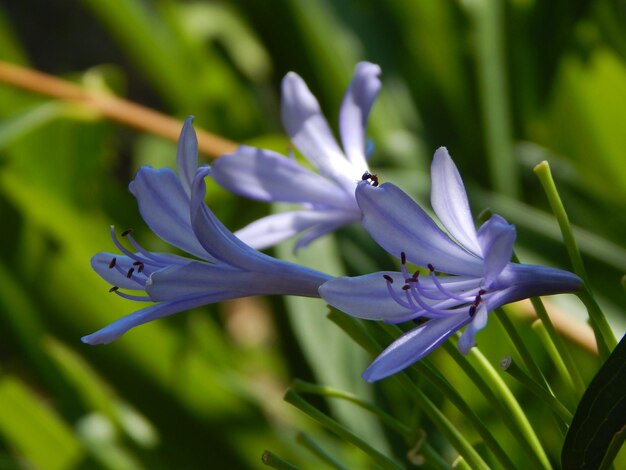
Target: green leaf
[600, 417]
[34, 430]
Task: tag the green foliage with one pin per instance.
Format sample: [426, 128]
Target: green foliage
[503, 88]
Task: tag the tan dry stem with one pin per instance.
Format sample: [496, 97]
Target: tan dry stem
[111, 107]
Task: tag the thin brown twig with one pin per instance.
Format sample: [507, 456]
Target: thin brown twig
[110, 106]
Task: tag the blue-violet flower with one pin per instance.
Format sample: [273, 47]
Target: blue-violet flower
[480, 276]
[225, 267]
[328, 197]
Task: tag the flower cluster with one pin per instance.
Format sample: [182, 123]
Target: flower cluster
[466, 273]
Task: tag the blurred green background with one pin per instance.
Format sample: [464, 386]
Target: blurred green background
[502, 84]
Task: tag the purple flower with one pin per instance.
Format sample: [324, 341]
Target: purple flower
[480, 276]
[327, 197]
[223, 267]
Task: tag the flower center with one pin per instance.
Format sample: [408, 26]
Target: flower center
[144, 263]
[432, 298]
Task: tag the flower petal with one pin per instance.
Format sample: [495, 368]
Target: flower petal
[365, 296]
[187, 155]
[355, 110]
[521, 281]
[215, 237]
[309, 131]
[226, 282]
[268, 176]
[323, 228]
[164, 206]
[449, 201]
[275, 228]
[398, 224]
[467, 339]
[413, 346]
[119, 327]
[496, 238]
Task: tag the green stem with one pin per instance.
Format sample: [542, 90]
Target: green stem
[273, 461]
[338, 429]
[306, 387]
[572, 393]
[488, 18]
[520, 347]
[508, 365]
[422, 369]
[356, 330]
[495, 390]
[306, 441]
[553, 340]
[604, 336]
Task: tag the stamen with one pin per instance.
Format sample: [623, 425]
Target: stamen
[138, 298]
[140, 266]
[393, 293]
[442, 288]
[127, 232]
[430, 309]
[112, 263]
[472, 311]
[130, 272]
[113, 289]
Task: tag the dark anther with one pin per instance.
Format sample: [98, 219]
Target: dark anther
[388, 278]
[113, 289]
[126, 232]
[130, 273]
[140, 266]
[406, 287]
[403, 257]
[432, 268]
[367, 176]
[112, 263]
[416, 274]
[482, 292]
[472, 311]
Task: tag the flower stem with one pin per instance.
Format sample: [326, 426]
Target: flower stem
[520, 347]
[301, 386]
[573, 390]
[273, 461]
[423, 369]
[495, 390]
[307, 442]
[356, 330]
[565, 417]
[292, 397]
[604, 336]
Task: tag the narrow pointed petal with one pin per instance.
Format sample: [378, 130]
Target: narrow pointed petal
[365, 296]
[496, 238]
[521, 281]
[164, 206]
[467, 340]
[187, 155]
[118, 328]
[449, 201]
[309, 131]
[215, 238]
[268, 176]
[101, 264]
[275, 228]
[399, 224]
[413, 346]
[355, 109]
[324, 228]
